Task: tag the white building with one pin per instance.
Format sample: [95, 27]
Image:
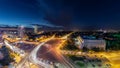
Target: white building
[94, 43]
[80, 43]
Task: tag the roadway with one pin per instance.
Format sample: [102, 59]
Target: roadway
[46, 54]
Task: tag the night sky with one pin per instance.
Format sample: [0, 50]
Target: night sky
[81, 14]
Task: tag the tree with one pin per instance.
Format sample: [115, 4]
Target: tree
[85, 49]
[96, 49]
[7, 58]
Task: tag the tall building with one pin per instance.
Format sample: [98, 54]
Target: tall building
[21, 31]
[35, 29]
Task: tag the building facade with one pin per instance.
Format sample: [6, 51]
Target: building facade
[94, 44]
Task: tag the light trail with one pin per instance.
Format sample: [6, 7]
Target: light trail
[55, 49]
[14, 49]
[33, 57]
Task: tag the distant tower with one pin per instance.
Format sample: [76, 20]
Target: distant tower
[21, 31]
[35, 29]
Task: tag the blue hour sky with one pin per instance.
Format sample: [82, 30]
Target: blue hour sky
[81, 14]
